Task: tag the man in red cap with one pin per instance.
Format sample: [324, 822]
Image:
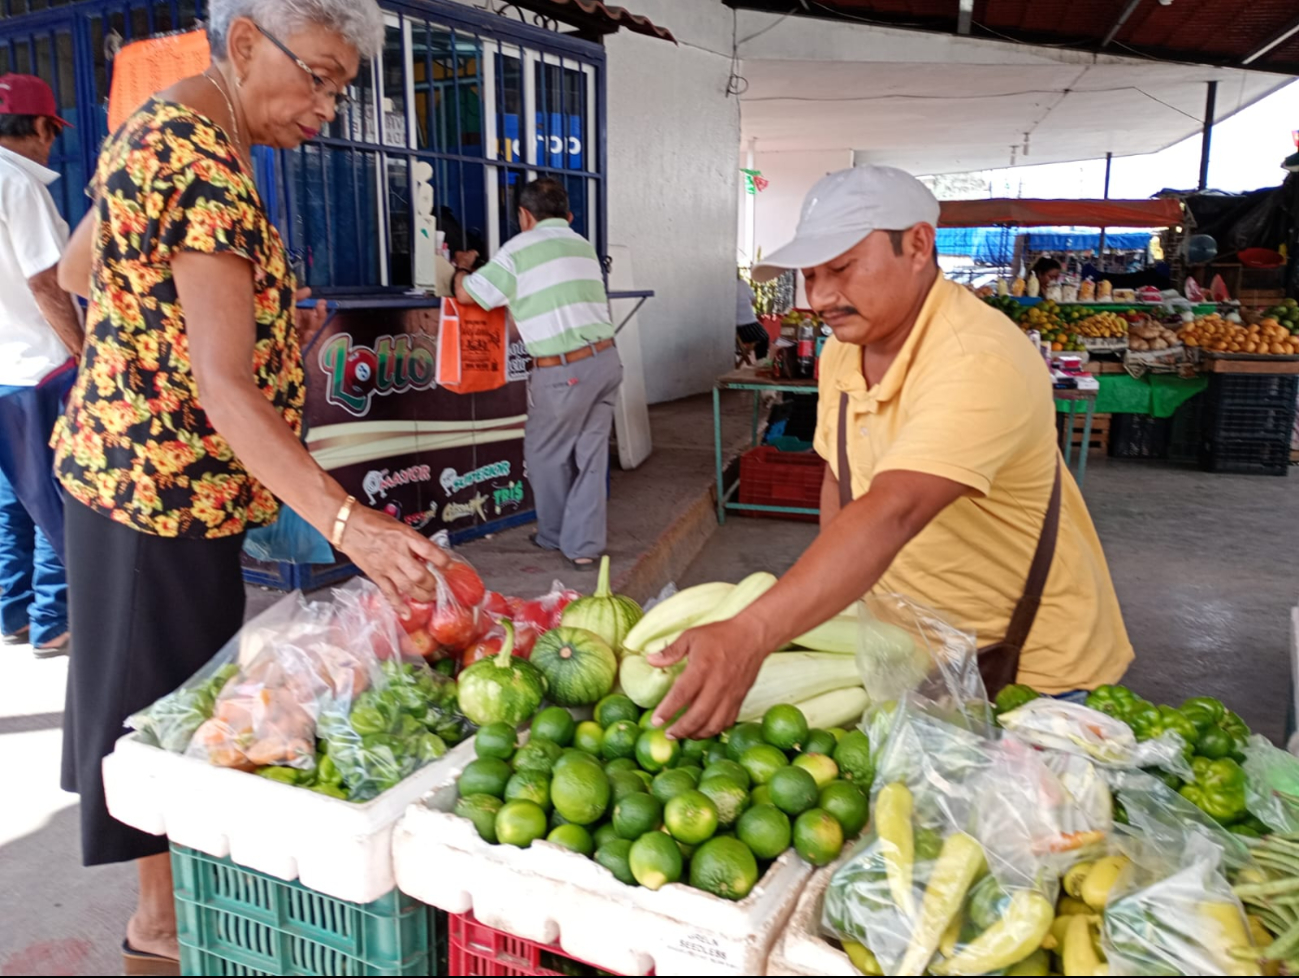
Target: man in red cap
[40, 341]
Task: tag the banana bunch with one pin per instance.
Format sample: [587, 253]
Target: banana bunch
[1102, 325]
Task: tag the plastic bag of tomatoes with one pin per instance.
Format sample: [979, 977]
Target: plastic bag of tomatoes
[531, 619]
[444, 627]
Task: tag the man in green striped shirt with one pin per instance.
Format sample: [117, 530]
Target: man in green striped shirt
[551, 280]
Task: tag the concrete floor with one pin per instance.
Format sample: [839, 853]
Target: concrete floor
[1204, 564]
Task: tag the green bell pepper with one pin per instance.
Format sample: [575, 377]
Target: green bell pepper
[1218, 789]
[1174, 721]
[1144, 719]
[333, 790]
[1235, 726]
[1115, 701]
[1214, 743]
[1203, 710]
[284, 775]
[1014, 696]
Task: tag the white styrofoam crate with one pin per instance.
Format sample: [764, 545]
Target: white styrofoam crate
[546, 893]
[801, 949]
[340, 848]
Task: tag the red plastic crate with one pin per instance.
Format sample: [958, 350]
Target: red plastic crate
[770, 477]
[476, 949]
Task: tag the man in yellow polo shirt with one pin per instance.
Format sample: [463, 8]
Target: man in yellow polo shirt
[954, 488]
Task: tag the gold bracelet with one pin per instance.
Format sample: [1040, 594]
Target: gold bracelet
[340, 521]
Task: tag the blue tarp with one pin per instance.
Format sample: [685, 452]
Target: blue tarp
[996, 245]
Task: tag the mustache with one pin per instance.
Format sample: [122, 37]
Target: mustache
[838, 311]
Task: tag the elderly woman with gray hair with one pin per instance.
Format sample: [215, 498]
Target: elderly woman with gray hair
[182, 430]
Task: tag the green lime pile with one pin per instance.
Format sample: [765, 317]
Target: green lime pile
[711, 813]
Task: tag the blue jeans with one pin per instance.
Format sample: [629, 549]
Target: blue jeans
[33, 587]
[1073, 696]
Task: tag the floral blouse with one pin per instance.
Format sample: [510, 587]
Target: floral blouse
[135, 443]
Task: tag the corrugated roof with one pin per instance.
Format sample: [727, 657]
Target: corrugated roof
[598, 17]
[1262, 35]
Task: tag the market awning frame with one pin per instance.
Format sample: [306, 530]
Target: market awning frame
[1160, 213]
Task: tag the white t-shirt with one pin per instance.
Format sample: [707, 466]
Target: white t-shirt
[744, 300]
[32, 239]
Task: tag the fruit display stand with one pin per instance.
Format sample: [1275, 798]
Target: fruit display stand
[801, 949]
[551, 896]
[340, 848]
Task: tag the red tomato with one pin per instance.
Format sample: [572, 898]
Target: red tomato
[420, 612]
[453, 626]
[465, 584]
[484, 648]
[536, 614]
[419, 643]
[497, 606]
[516, 606]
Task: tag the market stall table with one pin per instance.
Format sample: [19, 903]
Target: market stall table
[1072, 403]
[750, 380]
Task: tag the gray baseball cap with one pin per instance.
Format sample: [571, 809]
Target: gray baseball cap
[843, 208]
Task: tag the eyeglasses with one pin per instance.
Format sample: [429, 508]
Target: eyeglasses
[320, 86]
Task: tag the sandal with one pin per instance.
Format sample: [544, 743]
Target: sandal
[532, 539]
[50, 650]
[19, 637]
[143, 963]
[584, 563]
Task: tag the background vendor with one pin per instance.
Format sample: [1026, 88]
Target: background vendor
[942, 486]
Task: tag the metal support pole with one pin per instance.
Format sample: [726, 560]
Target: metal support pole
[1100, 251]
[1206, 141]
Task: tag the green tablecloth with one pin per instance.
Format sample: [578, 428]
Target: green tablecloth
[1158, 395]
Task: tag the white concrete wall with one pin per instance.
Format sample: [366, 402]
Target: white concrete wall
[672, 140]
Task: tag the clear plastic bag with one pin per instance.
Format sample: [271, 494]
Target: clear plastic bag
[1272, 784]
[1172, 912]
[906, 647]
[1166, 819]
[959, 872]
[317, 695]
[290, 539]
[1076, 729]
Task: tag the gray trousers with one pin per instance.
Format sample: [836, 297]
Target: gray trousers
[566, 447]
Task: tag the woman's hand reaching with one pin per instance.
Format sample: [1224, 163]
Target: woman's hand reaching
[392, 555]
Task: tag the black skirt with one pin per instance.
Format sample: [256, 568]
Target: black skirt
[146, 613]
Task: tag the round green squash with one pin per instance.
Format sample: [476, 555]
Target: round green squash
[501, 689]
[579, 666]
[609, 615]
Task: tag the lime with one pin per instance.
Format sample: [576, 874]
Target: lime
[485, 776]
[848, 804]
[668, 784]
[716, 752]
[556, 819]
[495, 740]
[647, 719]
[538, 754]
[533, 786]
[573, 837]
[615, 856]
[520, 823]
[637, 814]
[580, 792]
[655, 752]
[853, 755]
[554, 723]
[762, 761]
[818, 837]
[793, 790]
[686, 850]
[646, 778]
[691, 817]
[621, 764]
[729, 795]
[589, 736]
[741, 737]
[819, 766]
[615, 707]
[655, 860]
[697, 749]
[837, 733]
[819, 741]
[761, 795]
[604, 834]
[481, 810]
[725, 868]
[572, 755]
[727, 767]
[694, 770]
[784, 726]
[620, 740]
[764, 829]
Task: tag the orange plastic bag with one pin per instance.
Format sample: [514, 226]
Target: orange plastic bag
[472, 348]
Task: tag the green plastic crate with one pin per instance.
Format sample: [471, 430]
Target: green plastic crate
[234, 921]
